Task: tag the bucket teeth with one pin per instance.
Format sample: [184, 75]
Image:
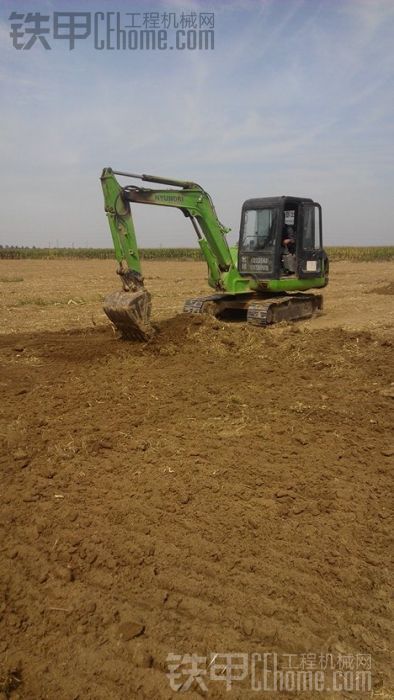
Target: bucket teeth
[130, 313]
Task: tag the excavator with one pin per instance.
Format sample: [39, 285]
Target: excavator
[267, 277]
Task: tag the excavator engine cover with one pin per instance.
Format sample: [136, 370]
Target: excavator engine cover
[130, 311]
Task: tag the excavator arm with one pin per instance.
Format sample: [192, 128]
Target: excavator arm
[130, 309]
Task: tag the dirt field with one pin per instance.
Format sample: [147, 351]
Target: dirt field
[221, 489]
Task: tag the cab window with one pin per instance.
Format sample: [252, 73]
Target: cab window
[311, 230]
[259, 227]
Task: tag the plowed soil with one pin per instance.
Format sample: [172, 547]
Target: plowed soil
[219, 489]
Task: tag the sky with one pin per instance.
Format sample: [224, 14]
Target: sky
[296, 98]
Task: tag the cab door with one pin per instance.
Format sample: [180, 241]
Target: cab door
[310, 253]
[258, 240]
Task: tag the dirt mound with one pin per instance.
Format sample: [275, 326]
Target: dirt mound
[218, 489]
[386, 289]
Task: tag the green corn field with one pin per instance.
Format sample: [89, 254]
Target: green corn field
[351, 253]
[24, 253]
[361, 254]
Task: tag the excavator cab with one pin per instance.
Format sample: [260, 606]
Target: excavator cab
[281, 238]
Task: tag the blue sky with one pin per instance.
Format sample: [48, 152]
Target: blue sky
[297, 98]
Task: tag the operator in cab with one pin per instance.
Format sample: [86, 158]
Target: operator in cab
[289, 239]
[288, 258]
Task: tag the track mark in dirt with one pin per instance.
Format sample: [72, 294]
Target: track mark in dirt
[386, 289]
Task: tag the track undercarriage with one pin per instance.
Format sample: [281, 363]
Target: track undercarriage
[258, 311]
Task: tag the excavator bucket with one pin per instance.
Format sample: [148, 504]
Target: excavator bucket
[130, 311]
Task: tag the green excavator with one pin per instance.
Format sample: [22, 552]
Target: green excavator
[278, 259]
